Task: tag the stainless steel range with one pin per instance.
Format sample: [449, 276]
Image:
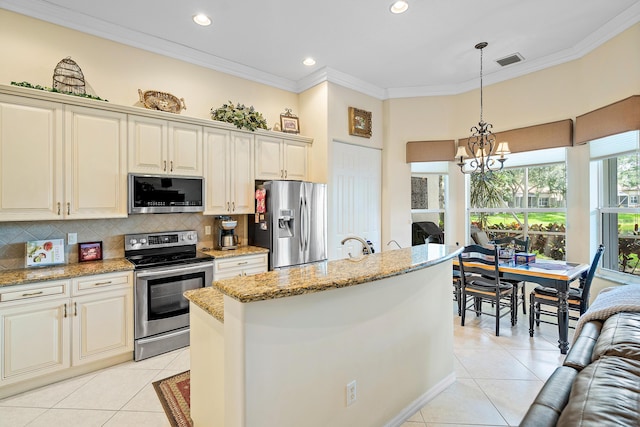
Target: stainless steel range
[166, 265]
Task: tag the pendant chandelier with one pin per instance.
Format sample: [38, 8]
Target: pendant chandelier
[485, 157]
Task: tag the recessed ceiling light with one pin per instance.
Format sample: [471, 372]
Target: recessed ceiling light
[309, 62]
[399, 6]
[202, 19]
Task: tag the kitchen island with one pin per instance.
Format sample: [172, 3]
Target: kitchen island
[279, 348]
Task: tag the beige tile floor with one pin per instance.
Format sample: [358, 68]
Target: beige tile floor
[497, 379]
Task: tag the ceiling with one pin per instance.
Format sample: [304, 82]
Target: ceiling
[428, 50]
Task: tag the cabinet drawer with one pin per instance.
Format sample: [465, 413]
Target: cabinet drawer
[41, 290]
[88, 284]
[240, 263]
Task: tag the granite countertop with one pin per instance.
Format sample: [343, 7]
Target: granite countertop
[64, 271]
[322, 276]
[239, 251]
[209, 299]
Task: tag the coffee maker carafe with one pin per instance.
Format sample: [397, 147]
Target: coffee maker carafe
[225, 231]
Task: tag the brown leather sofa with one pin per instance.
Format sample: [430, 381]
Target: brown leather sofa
[599, 381]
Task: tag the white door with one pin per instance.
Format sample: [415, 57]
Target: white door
[355, 198]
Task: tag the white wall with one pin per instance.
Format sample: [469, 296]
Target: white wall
[31, 49]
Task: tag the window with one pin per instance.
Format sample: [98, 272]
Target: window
[619, 188]
[524, 201]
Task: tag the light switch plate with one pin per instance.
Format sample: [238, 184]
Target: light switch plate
[72, 238]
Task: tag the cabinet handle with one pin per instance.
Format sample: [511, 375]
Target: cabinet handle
[233, 206]
[102, 283]
[165, 166]
[285, 174]
[228, 209]
[281, 173]
[58, 208]
[65, 310]
[68, 208]
[30, 294]
[171, 166]
[243, 263]
[75, 308]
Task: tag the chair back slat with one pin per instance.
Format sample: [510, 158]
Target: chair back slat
[481, 255]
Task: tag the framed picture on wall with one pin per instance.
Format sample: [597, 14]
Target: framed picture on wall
[359, 122]
[89, 251]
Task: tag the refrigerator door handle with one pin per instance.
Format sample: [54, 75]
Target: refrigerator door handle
[302, 224]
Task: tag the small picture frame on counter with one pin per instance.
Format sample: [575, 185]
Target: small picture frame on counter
[89, 251]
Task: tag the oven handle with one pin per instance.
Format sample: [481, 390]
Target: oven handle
[181, 269]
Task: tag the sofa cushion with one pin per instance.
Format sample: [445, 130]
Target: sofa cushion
[581, 350]
[605, 393]
[620, 336]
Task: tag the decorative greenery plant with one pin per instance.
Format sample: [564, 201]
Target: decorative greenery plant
[240, 115]
[50, 89]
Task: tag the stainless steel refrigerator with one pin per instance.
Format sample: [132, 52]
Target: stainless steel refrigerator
[294, 225]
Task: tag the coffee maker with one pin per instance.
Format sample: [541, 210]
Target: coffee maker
[225, 231]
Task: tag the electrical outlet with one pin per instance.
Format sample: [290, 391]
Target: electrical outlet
[207, 230]
[72, 238]
[351, 393]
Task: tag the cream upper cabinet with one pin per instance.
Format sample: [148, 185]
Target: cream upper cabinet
[228, 172]
[278, 158]
[31, 159]
[96, 163]
[61, 161]
[161, 147]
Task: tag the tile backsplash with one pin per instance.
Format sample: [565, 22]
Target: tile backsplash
[14, 235]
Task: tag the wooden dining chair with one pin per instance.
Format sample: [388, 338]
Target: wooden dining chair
[578, 297]
[480, 288]
[519, 245]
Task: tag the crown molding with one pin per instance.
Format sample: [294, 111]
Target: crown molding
[70, 19]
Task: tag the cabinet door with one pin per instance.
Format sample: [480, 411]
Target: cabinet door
[242, 182]
[102, 325]
[216, 171]
[295, 160]
[147, 145]
[96, 172]
[31, 174]
[35, 340]
[185, 149]
[268, 158]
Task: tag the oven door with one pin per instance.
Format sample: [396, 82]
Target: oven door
[159, 304]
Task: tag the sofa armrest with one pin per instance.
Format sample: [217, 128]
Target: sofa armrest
[551, 400]
[581, 350]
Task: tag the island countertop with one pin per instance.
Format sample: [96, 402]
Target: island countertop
[323, 276]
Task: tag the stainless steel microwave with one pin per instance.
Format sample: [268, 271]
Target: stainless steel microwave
[165, 194]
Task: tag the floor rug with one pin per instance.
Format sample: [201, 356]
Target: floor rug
[174, 394]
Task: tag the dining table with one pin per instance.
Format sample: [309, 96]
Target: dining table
[548, 273]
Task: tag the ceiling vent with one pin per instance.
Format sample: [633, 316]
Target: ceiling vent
[511, 59]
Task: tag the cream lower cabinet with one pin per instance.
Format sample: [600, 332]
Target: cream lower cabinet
[245, 265]
[61, 162]
[278, 158]
[228, 174]
[162, 147]
[51, 326]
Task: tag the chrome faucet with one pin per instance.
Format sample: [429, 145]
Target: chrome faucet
[366, 247]
[397, 244]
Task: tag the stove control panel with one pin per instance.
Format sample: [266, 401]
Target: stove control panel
[159, 240]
